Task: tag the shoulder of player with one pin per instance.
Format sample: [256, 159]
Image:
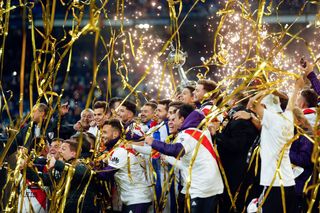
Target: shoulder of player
[119, 150]
[187, 134]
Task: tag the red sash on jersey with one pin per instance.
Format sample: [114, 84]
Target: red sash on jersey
[205, 111]
[155, 154]
[308, 111]
[196, 134]
[132, 151]
[153, 123]
[39, 194]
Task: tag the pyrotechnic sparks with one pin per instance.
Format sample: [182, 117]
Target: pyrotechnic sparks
[241, 47]
[141, 54]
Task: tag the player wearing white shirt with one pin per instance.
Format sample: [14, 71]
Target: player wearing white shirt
[159, 132]
[276, 133]
[128, 172]
[206, 181]
[133, 187]
[101, 113]
[126, 114]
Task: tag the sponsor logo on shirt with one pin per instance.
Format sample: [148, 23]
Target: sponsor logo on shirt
[115, 160]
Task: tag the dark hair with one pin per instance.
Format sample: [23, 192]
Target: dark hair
[130, 106]
[311, 97]
[175, 104]
[86, 145]
[57, 139]
[209, 86]
[190, 88]
[283, 103]
[153, 101]
[242, 99]
[113, 101]
[116, 124]
[152, 104]
[73, 144]
[101, 104]
[165, 102]
[178, 90]
[91, 136]
[184, 110]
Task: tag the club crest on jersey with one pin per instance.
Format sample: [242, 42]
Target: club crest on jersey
[115, 160]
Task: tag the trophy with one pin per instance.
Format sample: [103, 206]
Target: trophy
[176, 59]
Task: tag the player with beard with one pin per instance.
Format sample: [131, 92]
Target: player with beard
[127, 170]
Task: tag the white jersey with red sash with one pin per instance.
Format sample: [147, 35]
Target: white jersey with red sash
[34, 200]
[131, 179]
[206, 180]
[311, 115]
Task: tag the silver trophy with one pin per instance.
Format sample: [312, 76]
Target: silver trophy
[176, 59]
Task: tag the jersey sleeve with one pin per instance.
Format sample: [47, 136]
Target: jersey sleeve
[119, 158]
[146, 149]
[174, 162]
[187, 142]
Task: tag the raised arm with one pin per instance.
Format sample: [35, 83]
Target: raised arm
[255, 105]
[297, 88]
[309, 73]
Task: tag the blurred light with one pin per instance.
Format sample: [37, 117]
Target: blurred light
[143, 26]
[317, 20]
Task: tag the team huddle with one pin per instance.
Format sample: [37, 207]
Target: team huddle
[199, 152]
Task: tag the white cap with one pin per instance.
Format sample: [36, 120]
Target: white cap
[272, 103]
